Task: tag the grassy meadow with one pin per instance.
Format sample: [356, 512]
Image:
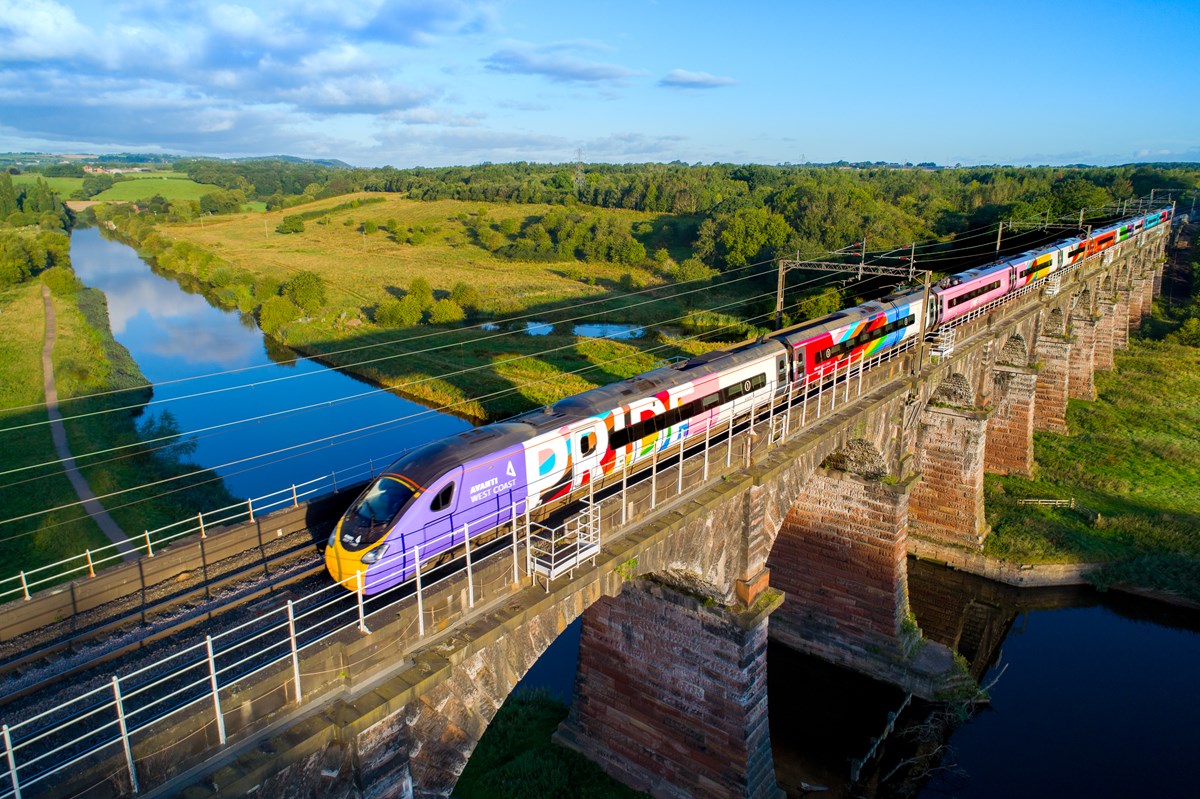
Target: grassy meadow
[61, 533]
[1131, 463]
[474, 373]
[362, 269]
[63, 187]
[86, 361]
[144, 185]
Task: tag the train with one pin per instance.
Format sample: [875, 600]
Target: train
[425, 503]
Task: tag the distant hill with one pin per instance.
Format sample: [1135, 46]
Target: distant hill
[291, 159]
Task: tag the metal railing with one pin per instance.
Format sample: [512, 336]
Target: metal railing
[56, 740]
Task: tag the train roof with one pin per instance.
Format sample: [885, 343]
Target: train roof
[426, 463]
[605, 398]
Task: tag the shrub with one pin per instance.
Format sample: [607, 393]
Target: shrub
[307, 290]
[466, 295]
[445, 312]
[290, 224]
[275, 313]
[398, 313]
[61, 280]
[420, 290]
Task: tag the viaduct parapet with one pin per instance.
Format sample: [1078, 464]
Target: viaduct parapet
[804, 539]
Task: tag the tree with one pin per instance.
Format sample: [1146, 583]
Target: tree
[291, 224]
[306, 290]
[693, 269]
[8, 196]
[275, 313]
[466, 295]
[445, 312]
[398, 313]
[421, 292]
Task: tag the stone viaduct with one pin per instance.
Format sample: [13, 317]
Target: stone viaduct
[812, 533]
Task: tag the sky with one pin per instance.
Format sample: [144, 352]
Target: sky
[445, 82]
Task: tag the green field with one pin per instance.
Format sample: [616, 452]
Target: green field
[516, 759]
[242, 261]
[64, 187]
[143, 186]
[86, 360]
[1132, 465]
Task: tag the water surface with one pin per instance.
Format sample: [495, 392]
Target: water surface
[175, 334]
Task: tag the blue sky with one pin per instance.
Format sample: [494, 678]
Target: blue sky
[437, 82]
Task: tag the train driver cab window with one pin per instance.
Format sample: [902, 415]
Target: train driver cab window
[443, 498]
[587, 443]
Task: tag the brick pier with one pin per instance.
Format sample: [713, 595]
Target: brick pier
[671, 694]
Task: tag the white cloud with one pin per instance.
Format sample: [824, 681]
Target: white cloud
[683, 79]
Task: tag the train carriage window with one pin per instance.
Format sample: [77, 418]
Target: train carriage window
[443, 498]
[587, 443]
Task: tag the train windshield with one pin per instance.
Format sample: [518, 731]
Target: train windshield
[383, 500]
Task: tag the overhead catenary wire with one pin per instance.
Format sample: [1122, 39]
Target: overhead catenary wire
[310, 406]
[361, 433]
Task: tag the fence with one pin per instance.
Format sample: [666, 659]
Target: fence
[267, 654]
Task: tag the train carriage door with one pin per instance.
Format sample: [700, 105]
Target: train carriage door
[436, 514]
[781, 374]
[589, 443]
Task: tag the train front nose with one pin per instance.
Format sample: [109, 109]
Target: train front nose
[343, 566]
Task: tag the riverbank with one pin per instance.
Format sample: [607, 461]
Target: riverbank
[1131, 464]
[94, 375]
[479, 372]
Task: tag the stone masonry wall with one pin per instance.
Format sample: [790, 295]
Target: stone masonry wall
[841, 559]
[1050, 407]
[947, 505]
[1081, 382]
[1121, 320]
[1103, 358]
[1009, 447]
[671, 695]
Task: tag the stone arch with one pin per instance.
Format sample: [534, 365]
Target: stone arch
[955, 390]
[1083, 303]
[860, 457]
[1056, 323]
[1015, 351]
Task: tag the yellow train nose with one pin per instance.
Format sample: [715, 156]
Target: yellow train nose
[344, 566]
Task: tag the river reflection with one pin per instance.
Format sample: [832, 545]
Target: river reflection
[1090, 695]
[175, 335]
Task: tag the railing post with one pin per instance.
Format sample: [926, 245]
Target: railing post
[212, 678]
[420, 601]
[654, 474]
[295, 650]
[12, 762]
[362, 614]
[516, 567]
[624, 497]
[250, 508]
[707, 438]
[25, 586]
[91, 566]
[729, 438]
[149, 548]
[371, 465]
[200, 519]
[333, 474]
[528, 550]
[295, 499]
[116, 684]
[679, 482]
[804, 404]
[470, 572]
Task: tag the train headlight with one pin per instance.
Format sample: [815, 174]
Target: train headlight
[375, 554]
[333, 537]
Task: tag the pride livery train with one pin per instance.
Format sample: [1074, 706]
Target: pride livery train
[480, 479]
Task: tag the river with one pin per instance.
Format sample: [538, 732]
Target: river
[1094, 695]
[186, 346]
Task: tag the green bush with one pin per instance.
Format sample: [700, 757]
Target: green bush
[61, 280]
[275, 313]
[307, 290]
[291, 224]
[420, 290]
[466, 295]
[398, 313]
[445, 312]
